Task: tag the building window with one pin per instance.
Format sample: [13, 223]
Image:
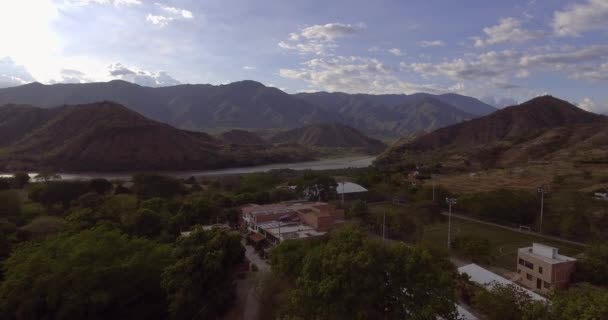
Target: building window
[525, 263]
[529, 277]
[540, 270]
[547, 285]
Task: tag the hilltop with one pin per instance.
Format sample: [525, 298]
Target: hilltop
[332, 135]
[107, 136]
[543, 128]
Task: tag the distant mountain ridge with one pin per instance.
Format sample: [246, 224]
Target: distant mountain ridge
[331, 135]
[542, 128]
[250, 105]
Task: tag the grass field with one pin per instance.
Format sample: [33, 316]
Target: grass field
[504, 243]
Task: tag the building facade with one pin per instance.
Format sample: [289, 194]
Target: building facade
[291, 219]
[543, 269]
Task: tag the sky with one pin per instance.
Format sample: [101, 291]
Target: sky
[502, 52]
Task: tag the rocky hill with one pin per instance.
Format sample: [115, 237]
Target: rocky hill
[399, 115]
[543, 128]
[109, 137]
[242, 137]
[333, 135]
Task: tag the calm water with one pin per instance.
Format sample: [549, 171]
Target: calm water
[329, 164]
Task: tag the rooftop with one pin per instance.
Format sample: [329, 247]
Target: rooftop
[545, 253]
[488, 279]
[289, 230]
[349, 187]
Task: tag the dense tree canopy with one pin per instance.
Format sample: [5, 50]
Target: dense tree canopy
[352, 277]
[148, 186]
[200, 282]
[95, 274]
[505, 206]
[593, 266]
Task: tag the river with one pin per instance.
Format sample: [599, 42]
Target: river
[326, 164]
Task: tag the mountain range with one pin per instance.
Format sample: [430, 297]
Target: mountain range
[544, 128]
[250, 105]
[106, 136]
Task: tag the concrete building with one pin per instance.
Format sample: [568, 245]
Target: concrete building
[543, 269]
[291, 219]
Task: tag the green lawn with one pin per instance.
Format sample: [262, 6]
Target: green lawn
[504, 243]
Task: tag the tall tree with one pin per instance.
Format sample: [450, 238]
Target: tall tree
[96, 274]
[316, 186]
[200, 284]
[352, 277]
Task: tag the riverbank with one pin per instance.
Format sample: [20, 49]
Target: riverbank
[324, 164]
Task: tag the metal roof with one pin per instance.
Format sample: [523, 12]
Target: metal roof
[488, 278]
[349, 187]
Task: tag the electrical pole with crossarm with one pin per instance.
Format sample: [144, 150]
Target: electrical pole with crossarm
[450, 202]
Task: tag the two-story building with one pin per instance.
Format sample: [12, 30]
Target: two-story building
[543, 269]
[290, 219]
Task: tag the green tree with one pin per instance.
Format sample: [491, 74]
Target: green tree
[502, 302]
[359, 210]
[593, 266]
[147, 223]
[96, 274]
[10, 204]
[100, 186]
[43, 227]
[352, 277]
[148, 186]
[20, 180]
[58, 192]
[316, 186]
[511, 206]
[583, 302]
[200, 284]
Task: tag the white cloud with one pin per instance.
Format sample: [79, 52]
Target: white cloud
[499, 102]
[499, 67]
[116, 3]
[354, 74]
[374, 49]
[329, 32]
[395, 51]
[592, 106]
[581, 17]
[160, 21]
[141, 77]
[434, 43]
[72, 76]
[176, 11]
[248, 67]
[168, 15]
[12, 74]
[318, 39]
[508, 30]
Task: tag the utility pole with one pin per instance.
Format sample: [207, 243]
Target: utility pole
[541, 190]
[450, 202]
[433, 179]
[384, 227]
[343, 183]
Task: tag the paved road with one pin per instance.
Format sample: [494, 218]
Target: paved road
[516, 229]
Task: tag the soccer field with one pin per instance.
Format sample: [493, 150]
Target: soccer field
[504, 243]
